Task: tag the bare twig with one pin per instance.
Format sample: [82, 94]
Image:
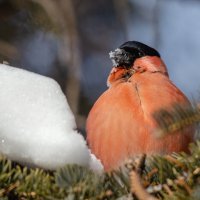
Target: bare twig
[138, 189]
[136, 166]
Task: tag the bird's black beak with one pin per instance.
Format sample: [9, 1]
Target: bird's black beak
[121, 58]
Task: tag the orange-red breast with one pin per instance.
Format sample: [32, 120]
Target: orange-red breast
[121, 122]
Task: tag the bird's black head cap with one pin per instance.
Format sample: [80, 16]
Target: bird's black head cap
[128, 52]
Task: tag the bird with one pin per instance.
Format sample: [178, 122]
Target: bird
[120, 124]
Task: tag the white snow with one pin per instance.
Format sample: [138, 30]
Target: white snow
[37, 127]
[95, 164]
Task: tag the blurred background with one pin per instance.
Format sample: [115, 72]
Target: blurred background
[69, 40]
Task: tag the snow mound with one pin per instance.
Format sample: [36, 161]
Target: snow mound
[37, 127]
[95, 164]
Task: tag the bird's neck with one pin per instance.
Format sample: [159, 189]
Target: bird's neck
[150, 64]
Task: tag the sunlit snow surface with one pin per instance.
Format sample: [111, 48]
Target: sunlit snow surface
[37, 127]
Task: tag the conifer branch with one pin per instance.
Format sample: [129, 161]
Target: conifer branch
[176, 119]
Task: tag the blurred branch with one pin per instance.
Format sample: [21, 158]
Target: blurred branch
[74, 60]
[176, 119]
[63, 15]
[121, 7]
